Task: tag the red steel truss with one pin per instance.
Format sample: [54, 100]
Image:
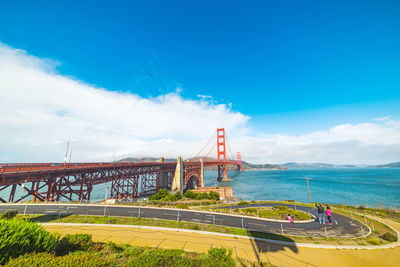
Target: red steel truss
[53, 182]
[75, 181]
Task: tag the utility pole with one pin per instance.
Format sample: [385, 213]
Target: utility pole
[66, 153]
[308, 188]
[70, 155]
[107, 187]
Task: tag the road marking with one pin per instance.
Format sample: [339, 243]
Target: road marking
[257, 224]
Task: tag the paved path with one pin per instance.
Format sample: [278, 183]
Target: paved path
[344, 227]
[242, 247]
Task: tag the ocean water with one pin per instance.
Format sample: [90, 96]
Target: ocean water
[368, 187]
[358, 186]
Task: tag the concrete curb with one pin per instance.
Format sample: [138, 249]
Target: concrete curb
[127, 206]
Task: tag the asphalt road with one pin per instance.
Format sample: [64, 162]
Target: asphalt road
[343, 227]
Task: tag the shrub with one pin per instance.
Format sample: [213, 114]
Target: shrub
[196, 227]
[161, 257]
[389, 237]
[214, 195]
[169, 197]
[112, 247]
[33, 259]
[133, 252]
[159, 195]
[243, 203]
[220, 257]
[178, 195]
[19, 237]
[189, 194]
[78, 258]
[9, 214]
[70, 243]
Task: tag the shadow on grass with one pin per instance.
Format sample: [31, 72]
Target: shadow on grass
[263, 247]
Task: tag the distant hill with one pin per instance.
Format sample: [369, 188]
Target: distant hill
[146, 159]
[248, 166]
[245, 165]
[295, 165]
[389, 165]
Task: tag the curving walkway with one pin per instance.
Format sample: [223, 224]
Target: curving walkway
[343, 227]
[242, 247]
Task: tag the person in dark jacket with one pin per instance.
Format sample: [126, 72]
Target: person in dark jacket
[322, 214]
[320, 210]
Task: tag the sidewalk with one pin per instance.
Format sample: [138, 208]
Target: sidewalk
[280, 255]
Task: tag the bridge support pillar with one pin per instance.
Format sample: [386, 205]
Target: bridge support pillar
[12, 193]
[163, 176]
[201, 181]
[177, 183]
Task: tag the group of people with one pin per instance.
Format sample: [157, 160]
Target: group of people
[322, 214]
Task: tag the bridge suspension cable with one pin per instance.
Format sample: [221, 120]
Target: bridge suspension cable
[211, 150]
[208, 142]
[226, 137]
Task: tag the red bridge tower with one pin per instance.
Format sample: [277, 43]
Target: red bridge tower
[221, 153]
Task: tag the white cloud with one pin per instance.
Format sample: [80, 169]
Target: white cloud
[365, 143]
[40, 110]
[382, 118]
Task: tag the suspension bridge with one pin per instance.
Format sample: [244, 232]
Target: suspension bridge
[75, 181]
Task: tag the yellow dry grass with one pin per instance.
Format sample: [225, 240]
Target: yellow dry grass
[248, 249]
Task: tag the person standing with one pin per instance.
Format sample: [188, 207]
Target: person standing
[320, 212]
[289, 218]
[329, 214]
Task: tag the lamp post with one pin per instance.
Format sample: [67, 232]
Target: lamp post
[308, 188]
[107, 187]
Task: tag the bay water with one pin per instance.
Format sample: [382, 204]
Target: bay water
[353, 186]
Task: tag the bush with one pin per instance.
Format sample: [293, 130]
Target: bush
[70, 243]
[220, 257]
[45, 259]
[178, 195]
[214, 195]
[243, 203]
[162, 193]
[133, 252]
[9, 214]
[19, 237]
[190, 194]
[389, 237]
[161, 257]
[112, 247]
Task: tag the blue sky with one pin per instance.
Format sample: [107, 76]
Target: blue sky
[292, 67]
